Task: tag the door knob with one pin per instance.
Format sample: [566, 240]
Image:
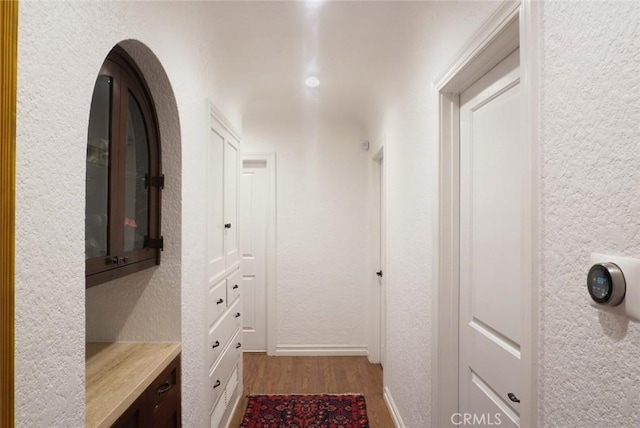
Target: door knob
[379, 273]
[227, 226]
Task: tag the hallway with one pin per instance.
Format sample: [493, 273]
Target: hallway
[388, 74]
[312, 375]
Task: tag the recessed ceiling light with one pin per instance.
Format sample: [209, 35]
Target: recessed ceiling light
[312, 82]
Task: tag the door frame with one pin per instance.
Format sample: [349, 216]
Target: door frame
[8, 97]
[513, 24]
[271, 276]
[376, 348]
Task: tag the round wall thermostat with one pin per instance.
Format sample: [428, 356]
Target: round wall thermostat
[606, 284]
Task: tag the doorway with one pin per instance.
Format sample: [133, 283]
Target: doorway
[257, 243]
[377, 318]
[487, 227]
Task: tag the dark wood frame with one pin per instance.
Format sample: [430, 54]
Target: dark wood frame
[127, 78]
[8, 104]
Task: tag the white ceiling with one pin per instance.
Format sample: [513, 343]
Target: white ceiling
[363, 52]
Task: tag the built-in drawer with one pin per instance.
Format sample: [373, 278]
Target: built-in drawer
[217, 302]
[225, 400]
[218, 413]
[221, 332]
[234, 285]
[221, 372]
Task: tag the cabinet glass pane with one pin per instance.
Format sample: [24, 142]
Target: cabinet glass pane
[136, 204]
[97, 202]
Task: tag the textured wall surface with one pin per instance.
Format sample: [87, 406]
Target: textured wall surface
[61, 48]
[322, 229]
[590, 376]
[411, 157]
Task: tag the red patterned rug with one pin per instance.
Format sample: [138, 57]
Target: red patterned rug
[305, 411]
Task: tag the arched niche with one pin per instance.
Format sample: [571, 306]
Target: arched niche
[146, 306]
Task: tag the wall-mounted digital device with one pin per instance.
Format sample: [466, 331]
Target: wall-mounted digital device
[613, 284]
[606, 284]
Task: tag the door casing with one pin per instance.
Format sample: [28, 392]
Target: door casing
[513, 24]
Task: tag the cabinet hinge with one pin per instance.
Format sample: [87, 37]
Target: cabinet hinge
[158, 181]
[154, 243]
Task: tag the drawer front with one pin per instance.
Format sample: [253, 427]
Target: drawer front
[224, 401]
[217, 302]
[231, 385]
[166, 385]
[234, 286]
[218, 413]
[222, 371]
[221, 332]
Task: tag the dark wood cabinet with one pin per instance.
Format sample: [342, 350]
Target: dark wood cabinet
[123, 176]
[159, 406]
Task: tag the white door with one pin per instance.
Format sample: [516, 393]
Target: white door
[254, 192]
[492, 243]
[383, 306]
[215, 212]
[232, 237]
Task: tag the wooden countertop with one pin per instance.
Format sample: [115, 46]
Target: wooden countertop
[117, 373]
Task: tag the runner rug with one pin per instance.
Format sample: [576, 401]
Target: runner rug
[306, 411]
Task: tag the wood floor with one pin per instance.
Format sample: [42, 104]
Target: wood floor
[314, 375]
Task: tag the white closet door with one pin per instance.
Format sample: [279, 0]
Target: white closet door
[492, 243]
[215, 234]
[231, 176]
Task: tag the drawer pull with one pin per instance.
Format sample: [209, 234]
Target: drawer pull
[166, 386]
[219, 301]
[215, 345]
[237, 314]
[238, 345]
[235, 287]
[217, 384]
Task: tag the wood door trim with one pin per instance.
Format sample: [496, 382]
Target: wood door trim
[8, 91]
[513, 24]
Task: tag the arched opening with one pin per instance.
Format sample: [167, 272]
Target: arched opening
[125, 309]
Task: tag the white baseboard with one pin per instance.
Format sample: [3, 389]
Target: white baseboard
[320, 350]
[393, 410]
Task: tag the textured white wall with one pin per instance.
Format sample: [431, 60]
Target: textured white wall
[589, 373]
[411, 158]
[61, 48]
[322, 229]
